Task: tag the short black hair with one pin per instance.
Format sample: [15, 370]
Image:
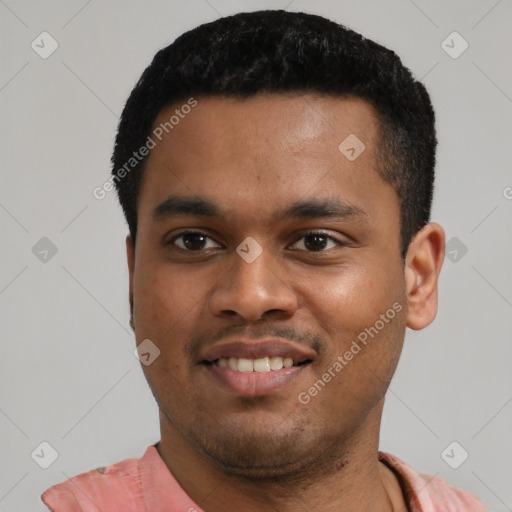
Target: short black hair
[275, 51]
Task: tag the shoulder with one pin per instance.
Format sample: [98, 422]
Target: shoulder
[429, 493]
[112, 488]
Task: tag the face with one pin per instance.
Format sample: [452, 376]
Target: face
[258, 237]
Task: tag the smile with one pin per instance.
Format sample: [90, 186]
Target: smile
[261, 365]
[243, 377]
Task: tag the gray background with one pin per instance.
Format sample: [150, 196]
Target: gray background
[68, 373]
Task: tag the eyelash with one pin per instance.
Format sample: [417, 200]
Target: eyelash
[304, 235]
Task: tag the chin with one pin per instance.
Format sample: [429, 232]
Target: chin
[267, 454]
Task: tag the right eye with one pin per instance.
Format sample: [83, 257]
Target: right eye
[192, 241]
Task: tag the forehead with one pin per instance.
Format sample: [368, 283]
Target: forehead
[266, 150]
[284, 121]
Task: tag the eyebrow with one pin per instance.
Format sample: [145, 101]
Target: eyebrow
[301, 210]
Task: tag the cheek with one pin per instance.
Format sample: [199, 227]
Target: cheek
[165, 307]
[363, 362]
[363, 313]
[162, 297]
[346, 301]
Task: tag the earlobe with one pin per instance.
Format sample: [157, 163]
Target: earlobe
[423, 265]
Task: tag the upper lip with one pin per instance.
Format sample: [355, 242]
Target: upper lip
[257, 349]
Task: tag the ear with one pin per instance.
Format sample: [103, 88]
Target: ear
[130, 256]
[424, 260]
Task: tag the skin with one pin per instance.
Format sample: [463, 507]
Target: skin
[253, 158]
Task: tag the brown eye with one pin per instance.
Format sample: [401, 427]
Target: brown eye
[316, 241]
[192, 241]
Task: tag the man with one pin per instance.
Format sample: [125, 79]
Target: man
[276, 172]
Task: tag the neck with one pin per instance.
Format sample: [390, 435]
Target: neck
[352, 480]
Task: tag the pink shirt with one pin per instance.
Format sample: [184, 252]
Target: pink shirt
[147, 485]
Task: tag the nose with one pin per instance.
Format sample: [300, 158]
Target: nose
[253, 290]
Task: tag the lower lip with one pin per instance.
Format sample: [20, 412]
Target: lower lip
[253, 383]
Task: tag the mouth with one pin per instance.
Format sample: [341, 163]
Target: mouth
[250, 369]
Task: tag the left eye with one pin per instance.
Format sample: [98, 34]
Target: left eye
[316, 241]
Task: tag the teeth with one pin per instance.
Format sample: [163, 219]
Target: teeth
[245, 365]
[262, 365]
[276, 363]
